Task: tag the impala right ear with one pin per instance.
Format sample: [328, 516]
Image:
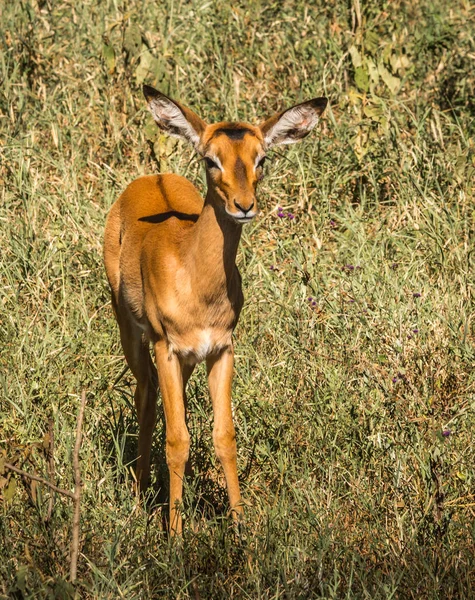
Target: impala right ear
[173, 118]
[294, 123]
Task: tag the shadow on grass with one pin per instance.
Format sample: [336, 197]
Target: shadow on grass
[203, 494]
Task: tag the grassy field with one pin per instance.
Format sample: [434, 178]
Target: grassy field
[354, 392]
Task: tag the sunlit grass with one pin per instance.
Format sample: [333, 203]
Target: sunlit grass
[354, 387]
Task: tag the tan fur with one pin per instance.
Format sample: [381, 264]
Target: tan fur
[170, 261]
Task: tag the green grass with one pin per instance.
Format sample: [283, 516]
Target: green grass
[340, 402]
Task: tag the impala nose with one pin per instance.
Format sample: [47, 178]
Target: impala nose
[242, 208]
[245, 210]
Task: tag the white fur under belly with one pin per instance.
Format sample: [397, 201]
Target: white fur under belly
[197, 345]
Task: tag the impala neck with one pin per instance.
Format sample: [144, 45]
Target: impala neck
[216, 240]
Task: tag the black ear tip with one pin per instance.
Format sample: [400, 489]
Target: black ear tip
[149, 92]
[320, 103]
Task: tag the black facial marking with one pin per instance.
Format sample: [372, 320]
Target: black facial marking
[240, 169]
[234, 133]
[210, 163]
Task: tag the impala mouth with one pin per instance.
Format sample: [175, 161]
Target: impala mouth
[243, 220]
[241, 217]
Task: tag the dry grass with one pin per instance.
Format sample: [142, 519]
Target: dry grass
[341, 402]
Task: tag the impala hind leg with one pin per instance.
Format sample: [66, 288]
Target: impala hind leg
[137, 354]
[172, 377]
[220, 376]
[187, 371]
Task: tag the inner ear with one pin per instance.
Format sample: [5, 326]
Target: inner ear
[293, 124]
[174, 118]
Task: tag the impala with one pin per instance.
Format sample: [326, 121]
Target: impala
[170, 261]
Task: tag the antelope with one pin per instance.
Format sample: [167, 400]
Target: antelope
[170, 261]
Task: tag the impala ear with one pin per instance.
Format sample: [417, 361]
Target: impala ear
[294, 123]
[173, 118]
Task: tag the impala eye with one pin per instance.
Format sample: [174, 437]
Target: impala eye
[210, 163]
[260, 168]
[261, 163]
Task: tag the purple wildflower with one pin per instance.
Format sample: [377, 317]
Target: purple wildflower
[333, 224]
[446, 432]
[394, 379]
[283, 215]
[394, 266]
[415, 331]
[416, 295]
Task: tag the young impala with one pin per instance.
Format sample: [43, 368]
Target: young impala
[170, 260]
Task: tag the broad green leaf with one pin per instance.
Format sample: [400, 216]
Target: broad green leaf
[10, 490]
[354, 96]
[362, 79]
[150, 130]
[360, 143]
[399, 63]
[355, 56]
[371, 41]
[157, 148]
[109, 57]
[133, 40]
[168, 143]
[21, 578]
[148, 67]
[387, 52]
[392, 82]
[373, 112]
[372, 71]
[63, 590]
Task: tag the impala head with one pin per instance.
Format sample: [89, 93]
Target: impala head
[234, 153]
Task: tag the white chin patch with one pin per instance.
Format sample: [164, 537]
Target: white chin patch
[241, 219]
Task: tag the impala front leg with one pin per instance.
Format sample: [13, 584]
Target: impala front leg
[171, 379]
[220, 376]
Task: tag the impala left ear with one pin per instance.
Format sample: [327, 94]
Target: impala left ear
[294, 123]
[174, 118]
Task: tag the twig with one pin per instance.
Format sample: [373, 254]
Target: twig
[40, 479]
[50, 468]
[356, 15]
[77, 492]
[124, 371]
[194, 587]
[75, 496]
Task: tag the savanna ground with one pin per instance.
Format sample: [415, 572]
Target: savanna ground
[354, 391]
